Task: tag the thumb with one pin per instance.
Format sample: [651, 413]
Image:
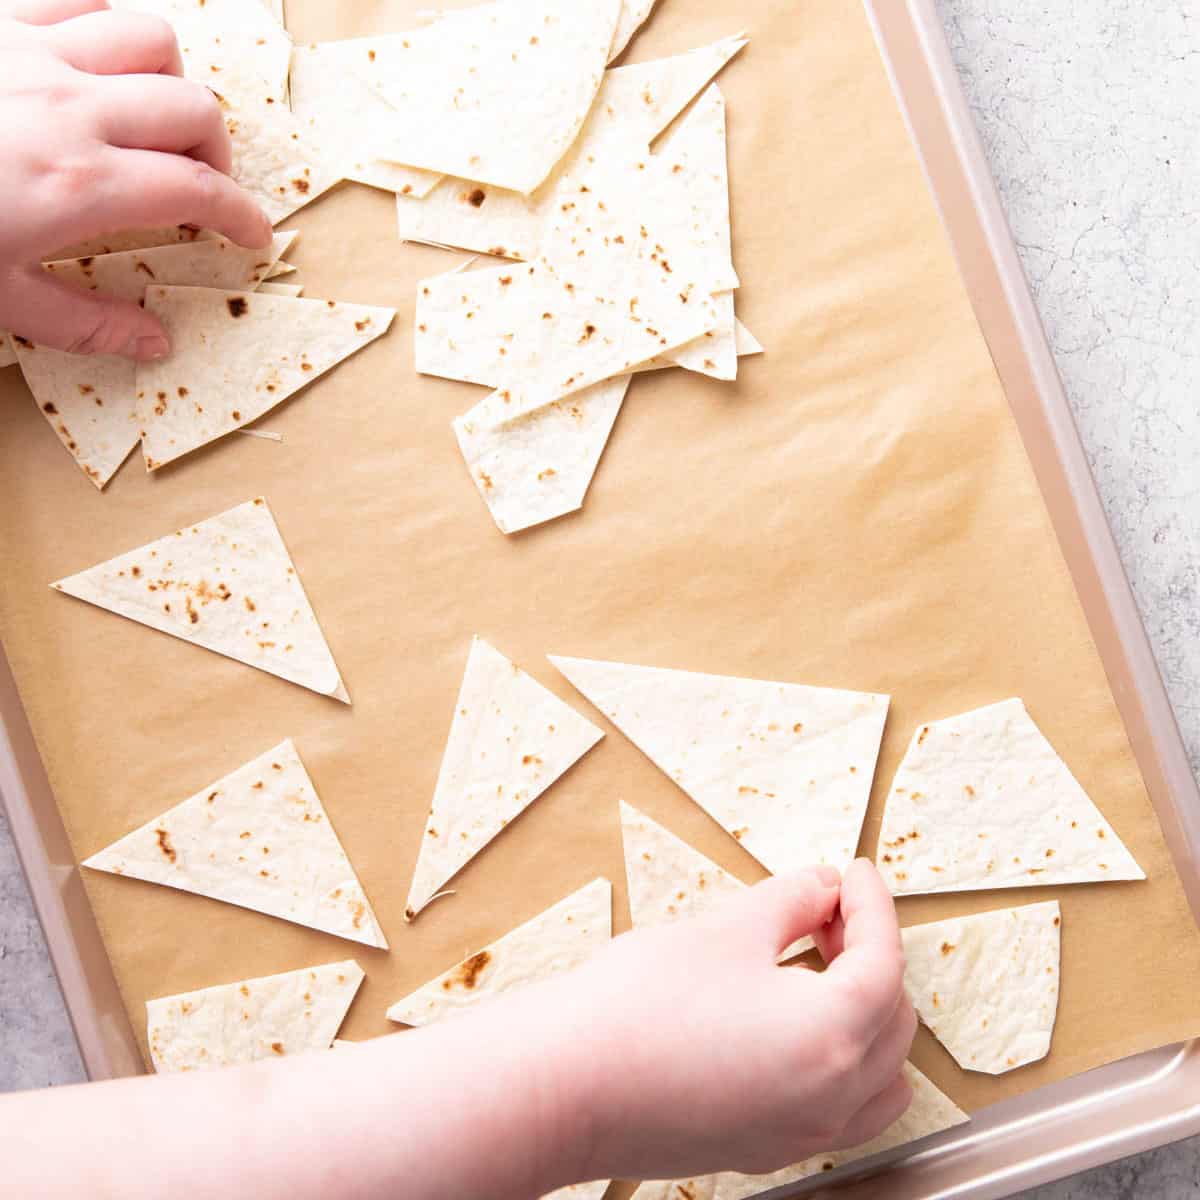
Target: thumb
[781, 910]
[50, 313]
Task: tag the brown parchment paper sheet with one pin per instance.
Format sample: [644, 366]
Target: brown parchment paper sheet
[857, 512]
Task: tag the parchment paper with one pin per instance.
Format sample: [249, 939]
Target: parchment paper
[856, 512]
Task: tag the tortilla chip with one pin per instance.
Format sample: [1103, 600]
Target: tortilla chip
[634, 105]
[634, 14]
[258, 838]
[931, 1112]
[559, 940]
[539, 468]
[270, 1017]
[456, 84]
[89, 400]
[340, 115]
[982, 801]
[227, 584]
[987, 985]
[784, 768]
[510, 740]
[235, 357]
[668, 879]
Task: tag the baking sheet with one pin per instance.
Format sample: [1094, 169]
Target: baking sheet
[858, 511]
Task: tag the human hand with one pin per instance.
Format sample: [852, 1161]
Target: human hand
[100, 133]
[696, 1053]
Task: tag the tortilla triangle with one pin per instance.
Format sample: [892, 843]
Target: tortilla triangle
[987, 985]
[555, 941]
[227, 584]
[258, 838]
[270, 1017]
[456, 84]
[235, 357]
[635, 104]
[511, 739]
[538, 469]
[89, 399]
[983, 800]
[784, 768]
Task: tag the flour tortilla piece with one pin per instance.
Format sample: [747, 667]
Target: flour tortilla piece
[987, 985]
[537, 469]
[339, 113]
[747, 344]
[509, 741]
[281, 289]
[496, 93]
[89, 400]
[556, 941]
[634, 14]
[134, 239]
[981, 801]
[227, 584]
[785, 769]
[635, 104]
[235, 356]
[258, 838]
[281, 268]
[8, 356]
[271, 1017]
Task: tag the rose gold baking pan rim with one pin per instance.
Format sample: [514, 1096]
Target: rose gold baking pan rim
[1131, 1106]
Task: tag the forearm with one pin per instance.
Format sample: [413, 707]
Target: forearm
[472, 1107]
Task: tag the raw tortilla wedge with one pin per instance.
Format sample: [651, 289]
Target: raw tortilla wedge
[89, 400]
[987, 985]
[982, 800]
[258, 838]
[784, 768]
[496, 93]
[510, 739]
[227, 584]
[338, 112]
[931, 1111]
[539, 468]
[558, 940]
[270, 1017]
[747, 344]
[635, 104]
[235, 357]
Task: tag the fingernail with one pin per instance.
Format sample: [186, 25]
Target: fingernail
[828, 876]
[150, 348]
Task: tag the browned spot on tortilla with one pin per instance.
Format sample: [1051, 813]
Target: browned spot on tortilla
[86, 389]
[531, 760]
[476, 198]
[144, 268]
[467, 975]
[359, 909]
[301, 185]
[277, 1047]
[212, 796]
[361, 325]
[406, 190]
[244, 990]
[237, 416]
[922, 736]
[48, 407]
[237, 306]
[947, 948]
[1058, 921]
[1100, 833]
[164, 844]
[486, 480]
[547, 473]
[371, 55]
[505, 280]
[588, 330]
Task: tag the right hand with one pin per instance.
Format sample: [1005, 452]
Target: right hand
[700, 1054]
[99, 133]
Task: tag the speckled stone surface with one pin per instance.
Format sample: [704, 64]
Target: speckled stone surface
[1090, 112]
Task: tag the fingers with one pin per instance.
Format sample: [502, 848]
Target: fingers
[890, 1049]
[146, 188]
[831, 938]
[117, 43]
[870, 969]
[783, 909]
[49, 313]
[48, 12]
[879, 1113]
[175, 116]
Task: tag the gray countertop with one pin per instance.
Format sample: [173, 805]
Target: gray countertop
[1090, 112]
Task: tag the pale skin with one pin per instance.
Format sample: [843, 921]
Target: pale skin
[675, 1052]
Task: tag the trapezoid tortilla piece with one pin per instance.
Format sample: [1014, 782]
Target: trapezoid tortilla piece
[234, 357]
[983, 800]
[510, 739]
[987, 985]
[496, 93]
[338, 112]
[635, 104]
[89, 399]
[258, 838]
[557, 940]
[227, 584]
[537, 469]
[270, 1017]
[784, 768]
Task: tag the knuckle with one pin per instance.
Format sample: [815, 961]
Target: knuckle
[843, 1056]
